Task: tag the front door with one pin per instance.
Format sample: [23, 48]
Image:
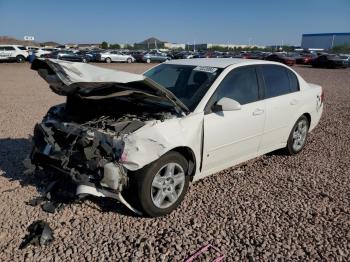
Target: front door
[231, 137]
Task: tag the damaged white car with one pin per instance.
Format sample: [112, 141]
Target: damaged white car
[141, 139]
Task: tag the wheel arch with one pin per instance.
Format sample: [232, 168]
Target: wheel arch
[190, 157]
[308, 116]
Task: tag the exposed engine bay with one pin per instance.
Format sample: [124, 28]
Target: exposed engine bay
[83, 139]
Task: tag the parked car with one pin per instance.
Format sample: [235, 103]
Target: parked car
[305, 59]
[92, 55]
[16, 53]
[39, 51]
[138, 55]
[67, 55]
[329, 61]
[200, 54]
[187, 124]
[185, 55]
[114, 56]
[155, 56]
[346, 58]
[281, 58]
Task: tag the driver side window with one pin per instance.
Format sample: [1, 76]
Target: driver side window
[240, 84]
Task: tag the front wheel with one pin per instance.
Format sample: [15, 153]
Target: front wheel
[148, 61]
[298, 136]
[129, 60]
[161, 185]
[108, 60]
[20, 59]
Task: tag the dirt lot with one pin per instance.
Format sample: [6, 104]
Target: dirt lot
[292, 208]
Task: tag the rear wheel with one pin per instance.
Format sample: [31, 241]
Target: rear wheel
[108, 60]
[20, 59]
[298, 136]
[161, 185]
[129, 60]
[148, 61]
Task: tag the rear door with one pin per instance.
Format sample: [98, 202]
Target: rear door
[282, 97]
[231, 137]
[9, 51]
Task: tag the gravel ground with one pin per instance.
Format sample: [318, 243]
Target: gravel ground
[273, 207]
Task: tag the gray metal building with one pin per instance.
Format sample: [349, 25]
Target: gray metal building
[324, 41]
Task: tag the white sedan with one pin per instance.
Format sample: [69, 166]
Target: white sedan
[114, 56]
[141, 139]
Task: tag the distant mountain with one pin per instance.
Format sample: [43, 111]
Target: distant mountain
[49, 43]
[13, 41]
[151, 40]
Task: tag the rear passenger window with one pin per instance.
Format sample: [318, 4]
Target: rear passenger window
[241, 84]
[276, 80]
[293, 81]
[8, 48]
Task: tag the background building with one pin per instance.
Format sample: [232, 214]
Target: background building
[150, 43]
[210, 45]
[324, 41]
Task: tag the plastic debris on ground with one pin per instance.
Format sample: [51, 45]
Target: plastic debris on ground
[39, 234]
[218, 256]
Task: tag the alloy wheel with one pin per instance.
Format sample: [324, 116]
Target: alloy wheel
[167, 185]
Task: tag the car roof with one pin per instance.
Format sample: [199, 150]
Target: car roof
[217, 62]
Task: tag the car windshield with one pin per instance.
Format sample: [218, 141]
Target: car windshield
[22, 47]
[188, 83]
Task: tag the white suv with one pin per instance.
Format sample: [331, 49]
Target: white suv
[16, 53]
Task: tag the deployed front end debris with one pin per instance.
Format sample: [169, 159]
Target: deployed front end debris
[39, 234]
[84, 138]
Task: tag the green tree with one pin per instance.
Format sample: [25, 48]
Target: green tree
[114, 46]
[104, 45]
[129, 47]
[341, 49]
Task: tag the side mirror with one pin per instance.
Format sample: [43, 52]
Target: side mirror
[226, 104]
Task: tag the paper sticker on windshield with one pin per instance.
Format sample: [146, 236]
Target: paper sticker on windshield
[206, 69]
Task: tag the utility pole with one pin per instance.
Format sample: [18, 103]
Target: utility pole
[194, 46]
[332, 41]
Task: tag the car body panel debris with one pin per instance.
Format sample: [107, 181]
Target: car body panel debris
[39, 234]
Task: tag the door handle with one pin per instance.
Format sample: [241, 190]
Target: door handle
[258, 111]
[294, 102]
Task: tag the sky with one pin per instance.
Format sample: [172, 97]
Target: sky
[259, 22]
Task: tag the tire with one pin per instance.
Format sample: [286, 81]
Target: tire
[148, 61]
[84, 60]
[298, 136]
[129, 60]
[108, 60]
[151, 181]
[20, 59]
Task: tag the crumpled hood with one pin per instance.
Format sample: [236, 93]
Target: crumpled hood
[88, 81]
